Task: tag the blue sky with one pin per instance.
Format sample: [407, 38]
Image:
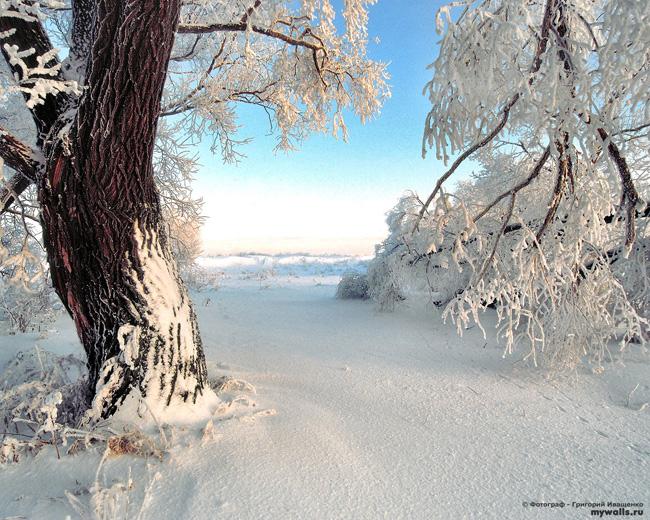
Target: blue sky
[331, 196]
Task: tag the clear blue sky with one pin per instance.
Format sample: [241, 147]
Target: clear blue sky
[331, 196]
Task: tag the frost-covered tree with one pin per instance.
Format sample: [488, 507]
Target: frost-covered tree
[25, 292]
[87, 142]
[551, 98]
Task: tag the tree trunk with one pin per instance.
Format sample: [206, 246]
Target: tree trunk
[107, 245]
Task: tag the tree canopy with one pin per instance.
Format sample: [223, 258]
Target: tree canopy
[551, 99]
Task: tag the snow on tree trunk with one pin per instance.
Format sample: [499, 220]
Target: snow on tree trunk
[159, 348]
[107, 245]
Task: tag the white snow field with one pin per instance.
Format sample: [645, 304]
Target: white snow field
[356, 414]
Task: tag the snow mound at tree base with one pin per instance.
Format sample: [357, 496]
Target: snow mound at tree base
[44, 398]
[225, 398]
[152, 412]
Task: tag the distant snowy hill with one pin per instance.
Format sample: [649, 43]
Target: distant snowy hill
[281, 269]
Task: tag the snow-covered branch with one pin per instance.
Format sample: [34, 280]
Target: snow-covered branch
[290, 59]
[33, 62]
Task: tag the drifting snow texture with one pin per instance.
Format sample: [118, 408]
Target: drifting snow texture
[353, 286]
[378, 416]
[351, 403]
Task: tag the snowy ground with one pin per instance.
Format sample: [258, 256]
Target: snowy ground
[358, 414]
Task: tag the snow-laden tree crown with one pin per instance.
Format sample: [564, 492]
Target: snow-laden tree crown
[551, 99]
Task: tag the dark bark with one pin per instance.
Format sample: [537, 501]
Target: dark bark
[107, 245]
[629, 195]
[24, 161]
[18, 156]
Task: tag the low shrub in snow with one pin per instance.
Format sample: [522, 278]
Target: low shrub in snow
[199, 278]
[27, 311]
[42, 398]
[353, 286]
[32, 377]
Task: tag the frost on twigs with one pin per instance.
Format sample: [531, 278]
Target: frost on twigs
[36, 76]
[27, 10]
[289, 58]
[560, 301]
[27, 300]
[42, 398]
[32, 376]
[38, 82]
[114, 495]
[237, 403]
[550, 99]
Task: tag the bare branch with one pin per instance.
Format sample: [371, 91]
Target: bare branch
[591, 32]
[563, 172]
[242, 27]
[532, 176]
[19, 156]
[12, 189]
[185, 104]
[633, 130]
[629, 195]
[504, 224]
[22, 215]
[250, 11]
[542, 42]
[189, 53]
